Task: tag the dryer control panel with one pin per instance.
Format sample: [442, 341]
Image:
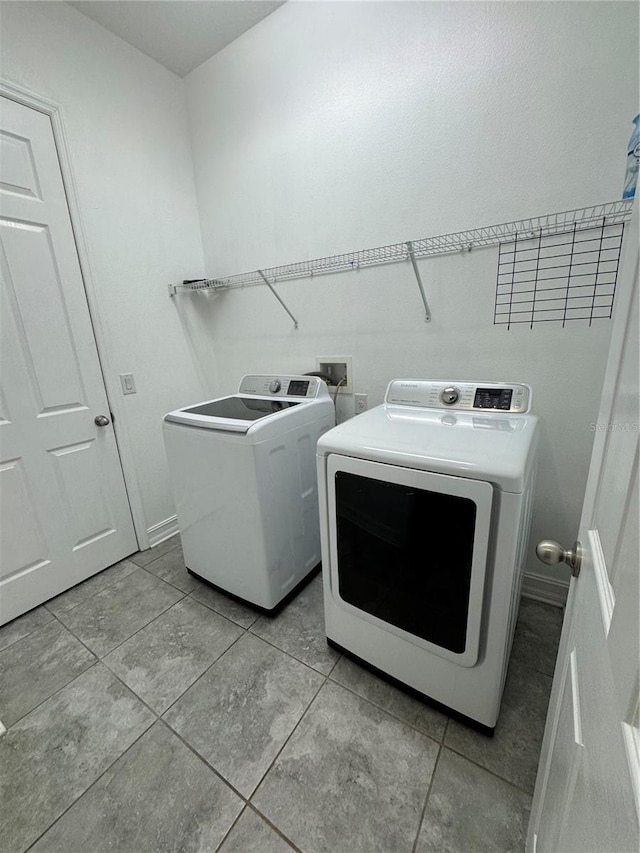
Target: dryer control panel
[503, 397]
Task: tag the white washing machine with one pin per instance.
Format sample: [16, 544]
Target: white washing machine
[425, 507]
[244, 481]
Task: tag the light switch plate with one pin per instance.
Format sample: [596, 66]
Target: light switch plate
[128, 385]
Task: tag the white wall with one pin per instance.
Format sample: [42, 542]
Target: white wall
[336, 126]
[126, 128]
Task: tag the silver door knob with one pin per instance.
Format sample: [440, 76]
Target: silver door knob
[101, 420]
[552, 553]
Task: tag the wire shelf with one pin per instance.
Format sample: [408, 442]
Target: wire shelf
[517, 231]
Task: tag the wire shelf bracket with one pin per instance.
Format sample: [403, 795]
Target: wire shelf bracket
[579, 219]
[414, 264]
[271, 288]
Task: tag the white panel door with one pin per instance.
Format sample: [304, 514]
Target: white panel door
[587, 796]
[64, 513]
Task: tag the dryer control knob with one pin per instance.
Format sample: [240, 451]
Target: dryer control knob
[450, 395]
[275, 385]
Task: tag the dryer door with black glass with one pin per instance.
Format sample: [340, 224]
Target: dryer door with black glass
[408, 551]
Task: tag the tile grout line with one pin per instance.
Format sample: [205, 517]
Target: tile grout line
[158, 578]
[220, 613]
[160, 718]
[87, 789]
[429, 789]
[201, 757]
[55, 616]
[90, 665]
[247, 801]
[494, 773]
[326, 677]
[101, 659]
[302, 716]
[391, 714]
[488, 770]
[233, 825]
[202, 674]
[195, 751]
[109, 585]
[157, 718]
[218, 774]
[288, 654]
[250, 807]
[164, 552]
[164, 612]
[226, 782]
[96, 658]
[441, 743]
[91, 597]
[306, 712]
[150, 622]
[257, 811]
[137, 631]
[287, 739]
[244, 631]
[75, 586]
[30, 633]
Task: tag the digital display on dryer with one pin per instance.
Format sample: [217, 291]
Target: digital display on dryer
[493, 398]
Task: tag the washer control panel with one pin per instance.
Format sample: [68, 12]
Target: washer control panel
[512, 398]
[282, 386]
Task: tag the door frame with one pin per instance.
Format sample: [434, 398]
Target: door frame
[55, 112]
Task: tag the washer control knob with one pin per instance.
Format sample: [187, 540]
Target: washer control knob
[275, 385]
[449, 395]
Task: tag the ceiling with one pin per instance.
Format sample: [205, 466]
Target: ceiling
[179, 34]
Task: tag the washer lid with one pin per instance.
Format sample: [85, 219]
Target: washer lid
[260, 397]
[493, 447]
[236, 413]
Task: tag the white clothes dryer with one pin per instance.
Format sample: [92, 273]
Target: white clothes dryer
[243, 474]
[425, 508]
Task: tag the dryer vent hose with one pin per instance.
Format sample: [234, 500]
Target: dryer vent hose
[330, 381]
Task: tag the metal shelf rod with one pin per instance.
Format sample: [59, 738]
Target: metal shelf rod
[271, 288]
[427, 312]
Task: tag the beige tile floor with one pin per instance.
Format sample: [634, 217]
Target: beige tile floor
[147, 712]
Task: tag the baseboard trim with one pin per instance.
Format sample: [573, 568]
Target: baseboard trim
[535, 586]
[545, 589]
[159, 532]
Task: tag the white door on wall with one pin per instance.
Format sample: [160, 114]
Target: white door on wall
[64, 513]
[587, 796]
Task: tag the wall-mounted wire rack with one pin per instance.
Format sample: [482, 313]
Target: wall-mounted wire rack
[576, 220]
[559, 277]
